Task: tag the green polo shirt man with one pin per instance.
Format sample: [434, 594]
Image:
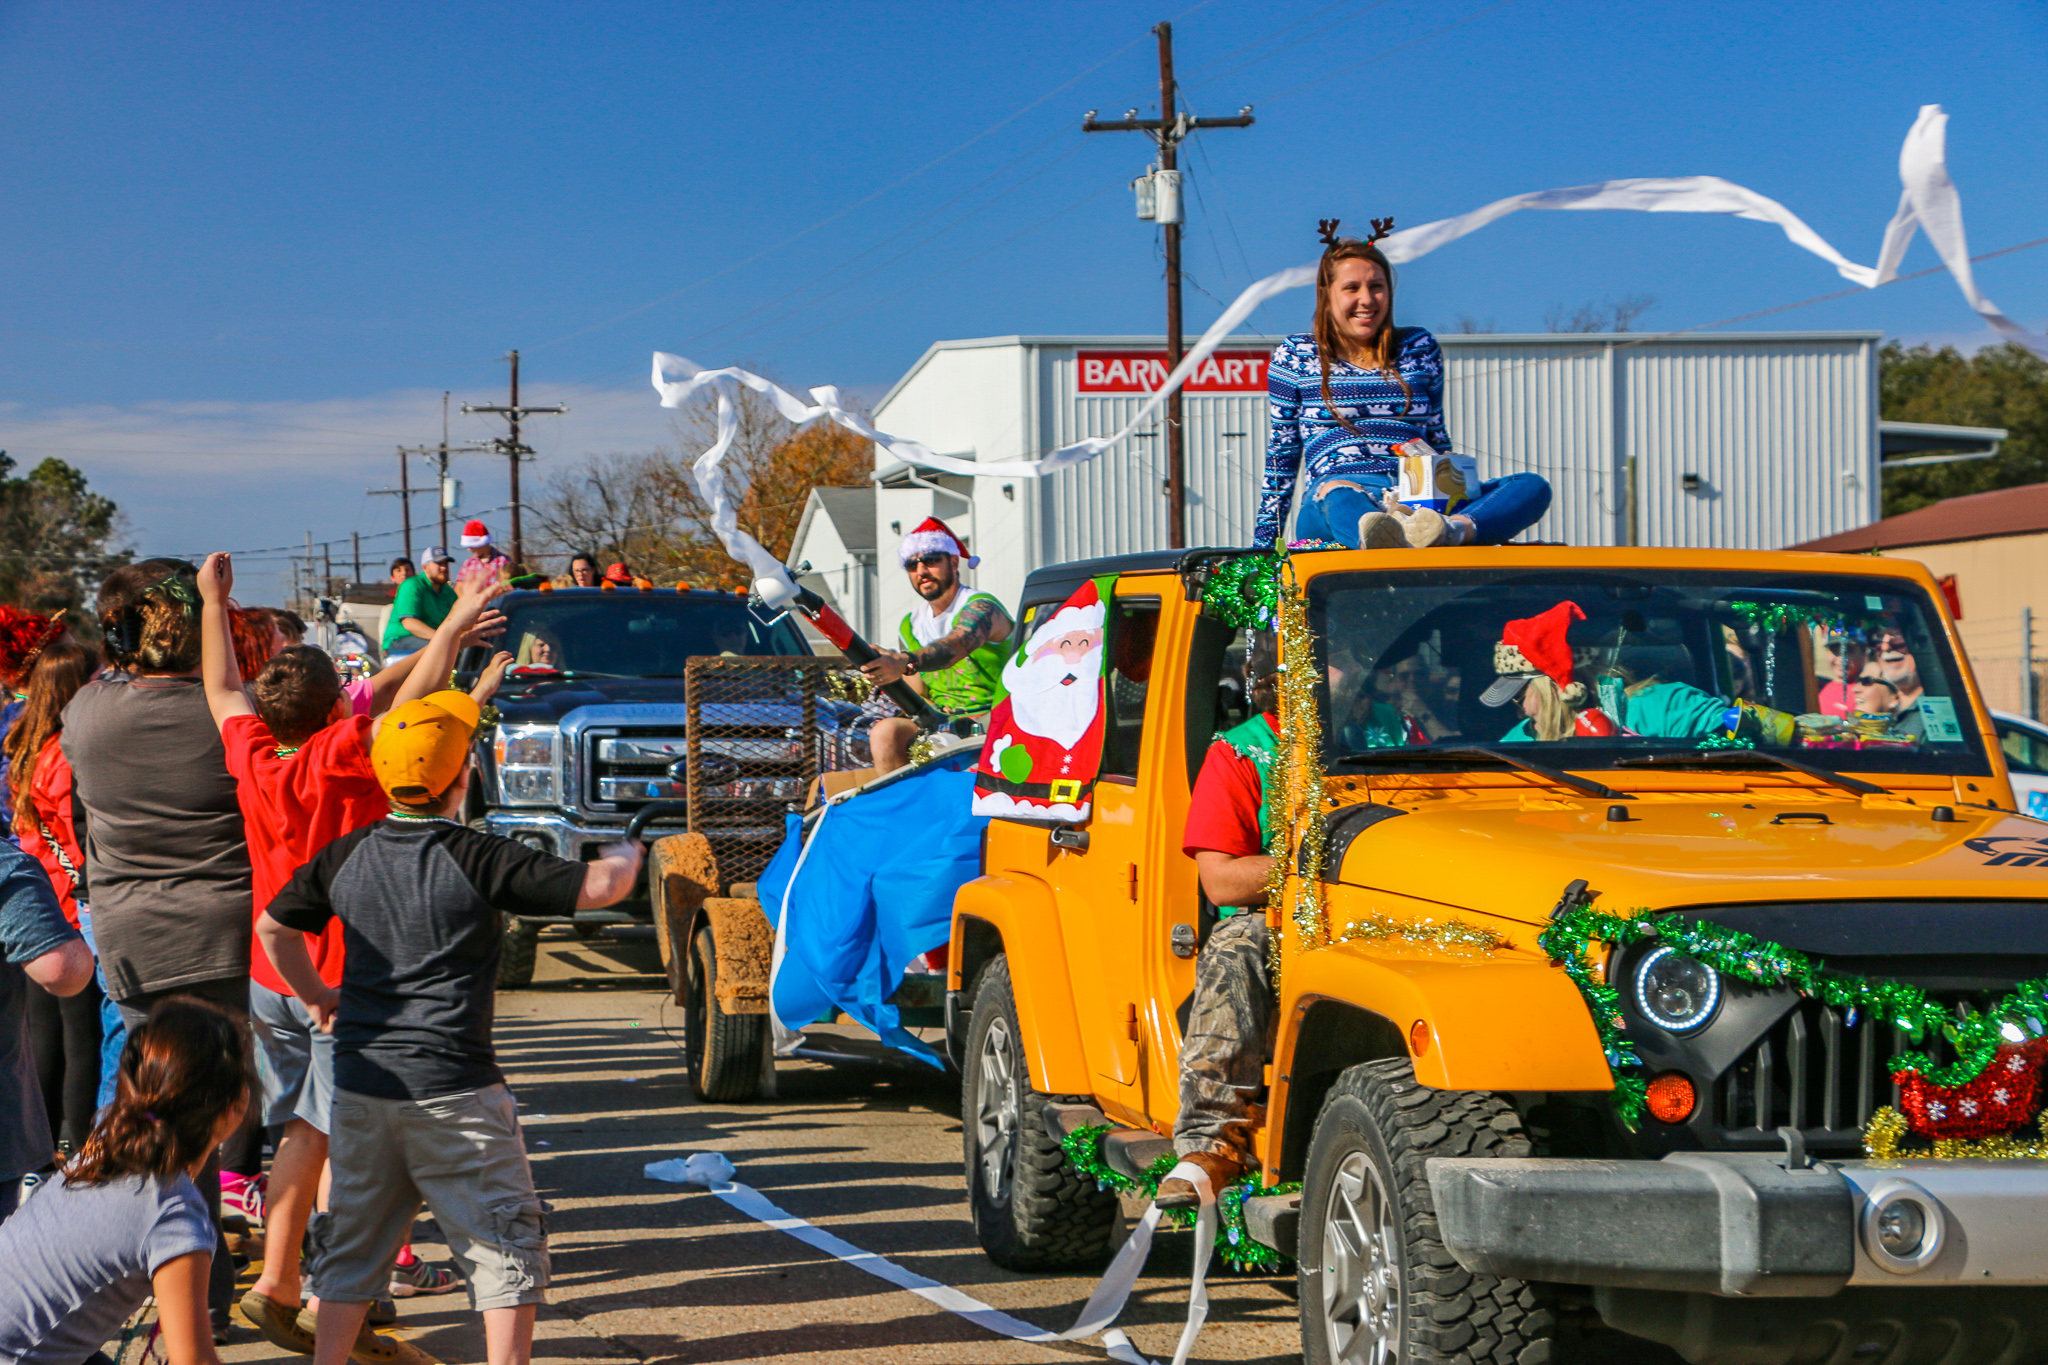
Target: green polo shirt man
[421, 603]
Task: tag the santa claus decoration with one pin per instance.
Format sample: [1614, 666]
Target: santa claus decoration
[1044, 744]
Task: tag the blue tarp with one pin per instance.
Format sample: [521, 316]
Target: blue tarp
[875, 891]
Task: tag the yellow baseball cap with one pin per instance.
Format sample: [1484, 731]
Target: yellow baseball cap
[422, 747]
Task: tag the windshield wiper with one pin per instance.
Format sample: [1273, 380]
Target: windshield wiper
[1466, 753]
[1750, 758]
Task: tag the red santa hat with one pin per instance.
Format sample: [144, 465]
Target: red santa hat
[1535, 647]
[475, 533]
[932, 536]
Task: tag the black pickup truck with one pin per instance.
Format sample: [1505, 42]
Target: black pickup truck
[620, 697]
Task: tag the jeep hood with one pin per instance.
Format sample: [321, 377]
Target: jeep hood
[1509, 859]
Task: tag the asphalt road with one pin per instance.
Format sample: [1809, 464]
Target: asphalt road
[645, 1271]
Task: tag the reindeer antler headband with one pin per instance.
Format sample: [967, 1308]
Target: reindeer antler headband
[1327, 229]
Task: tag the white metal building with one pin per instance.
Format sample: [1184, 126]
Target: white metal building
[1739, 440]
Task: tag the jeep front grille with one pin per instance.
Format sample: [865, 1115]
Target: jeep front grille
[1817, 1072]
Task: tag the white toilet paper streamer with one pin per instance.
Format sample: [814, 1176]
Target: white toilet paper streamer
[1928, 202]
[715, 1173]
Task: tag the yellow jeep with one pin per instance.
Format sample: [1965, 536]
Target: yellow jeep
[1587, 1035]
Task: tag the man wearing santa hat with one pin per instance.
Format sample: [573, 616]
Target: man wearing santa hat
[950, 641]
[485, 563]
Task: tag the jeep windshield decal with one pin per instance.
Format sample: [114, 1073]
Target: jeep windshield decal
[586, 634]
[1669, 669]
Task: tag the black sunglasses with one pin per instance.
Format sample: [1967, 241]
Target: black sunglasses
[930, 561]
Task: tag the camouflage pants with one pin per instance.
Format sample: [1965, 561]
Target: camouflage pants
[1230, 1028]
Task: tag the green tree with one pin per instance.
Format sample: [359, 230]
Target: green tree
[57, 536]
[2000, 386]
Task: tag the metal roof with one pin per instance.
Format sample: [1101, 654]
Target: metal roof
[1976, 516]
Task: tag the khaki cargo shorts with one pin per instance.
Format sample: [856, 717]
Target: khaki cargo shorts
[462, 1156]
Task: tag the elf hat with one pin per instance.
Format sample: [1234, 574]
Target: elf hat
[423, 747]
[475, 533]
[932, 536]
[1535, 647]
[23, 636]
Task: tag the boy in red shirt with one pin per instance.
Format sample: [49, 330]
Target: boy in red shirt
[300, 757]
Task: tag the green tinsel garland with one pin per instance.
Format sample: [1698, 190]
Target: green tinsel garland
[1234, 1241]
[1243, 591]
[1744, 957]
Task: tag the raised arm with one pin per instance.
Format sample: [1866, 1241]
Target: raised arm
[437, 660]
[219, 674]
[386, 681]
[493, 674]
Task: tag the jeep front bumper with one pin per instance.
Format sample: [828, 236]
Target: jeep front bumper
[1743, 1224]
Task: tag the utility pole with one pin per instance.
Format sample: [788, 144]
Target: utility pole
[1169, 130]
[439, 455]
[513, 450]
[355, 541]
[403, 493]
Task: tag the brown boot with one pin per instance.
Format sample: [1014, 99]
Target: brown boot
[1181, 1194]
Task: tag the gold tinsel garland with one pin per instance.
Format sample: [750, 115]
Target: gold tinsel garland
[1296, 799]
[1887, 1128]
[1454, 936]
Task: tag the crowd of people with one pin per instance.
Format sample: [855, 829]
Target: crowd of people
[247, 961]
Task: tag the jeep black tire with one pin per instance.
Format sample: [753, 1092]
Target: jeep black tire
[516, 953]
[1376, 1284]
[723, 1051]
[1031, 1211]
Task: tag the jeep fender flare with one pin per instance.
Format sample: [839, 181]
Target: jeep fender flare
[1016, 916]
[1507, 1024]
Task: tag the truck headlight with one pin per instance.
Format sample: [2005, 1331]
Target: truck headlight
[1676, 992]
[526, 764]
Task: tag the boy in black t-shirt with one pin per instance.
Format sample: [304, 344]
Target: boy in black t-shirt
[420, 1108]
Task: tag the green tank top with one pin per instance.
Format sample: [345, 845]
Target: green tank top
[975, 683]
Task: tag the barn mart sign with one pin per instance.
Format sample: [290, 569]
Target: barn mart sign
[1144, 371]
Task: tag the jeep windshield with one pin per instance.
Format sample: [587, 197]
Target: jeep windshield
[1666, 669]
[586, 633]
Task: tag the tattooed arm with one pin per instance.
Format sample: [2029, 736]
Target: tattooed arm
[980, 622]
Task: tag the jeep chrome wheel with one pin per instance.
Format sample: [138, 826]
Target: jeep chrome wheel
[1032, 1210]
[1361, 1279]
[995, 1110]
[1376, 1285]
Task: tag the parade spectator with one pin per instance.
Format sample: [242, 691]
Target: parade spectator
[300, 756]
[1341, 397]
[583, 570]
[421, 1110]
[66, 1030]
[23, 636]
[617, 576]
[256, 638]
[421, 603]
[165, 852]
[126, 1220]
[291, 627]
[38, 948]
[951, 641]
[401, 569]
[486, 563]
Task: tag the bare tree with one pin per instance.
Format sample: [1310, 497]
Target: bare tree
[1472, 326]
[1616, 315]
[645, 508]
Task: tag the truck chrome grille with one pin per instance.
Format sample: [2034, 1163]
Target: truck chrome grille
[1817, 1072]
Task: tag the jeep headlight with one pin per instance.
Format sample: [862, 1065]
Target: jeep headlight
[526, 764]
[1676, 992]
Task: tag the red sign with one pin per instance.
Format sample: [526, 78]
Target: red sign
[1145, 371]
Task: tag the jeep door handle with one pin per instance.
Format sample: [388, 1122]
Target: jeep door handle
[1070, 837]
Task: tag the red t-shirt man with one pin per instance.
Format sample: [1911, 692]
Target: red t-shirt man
[1223, 812]
[294, 805]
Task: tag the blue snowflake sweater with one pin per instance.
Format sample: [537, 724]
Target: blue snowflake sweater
[1302, 428]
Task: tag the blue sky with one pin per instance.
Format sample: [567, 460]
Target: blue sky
[251, 245]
